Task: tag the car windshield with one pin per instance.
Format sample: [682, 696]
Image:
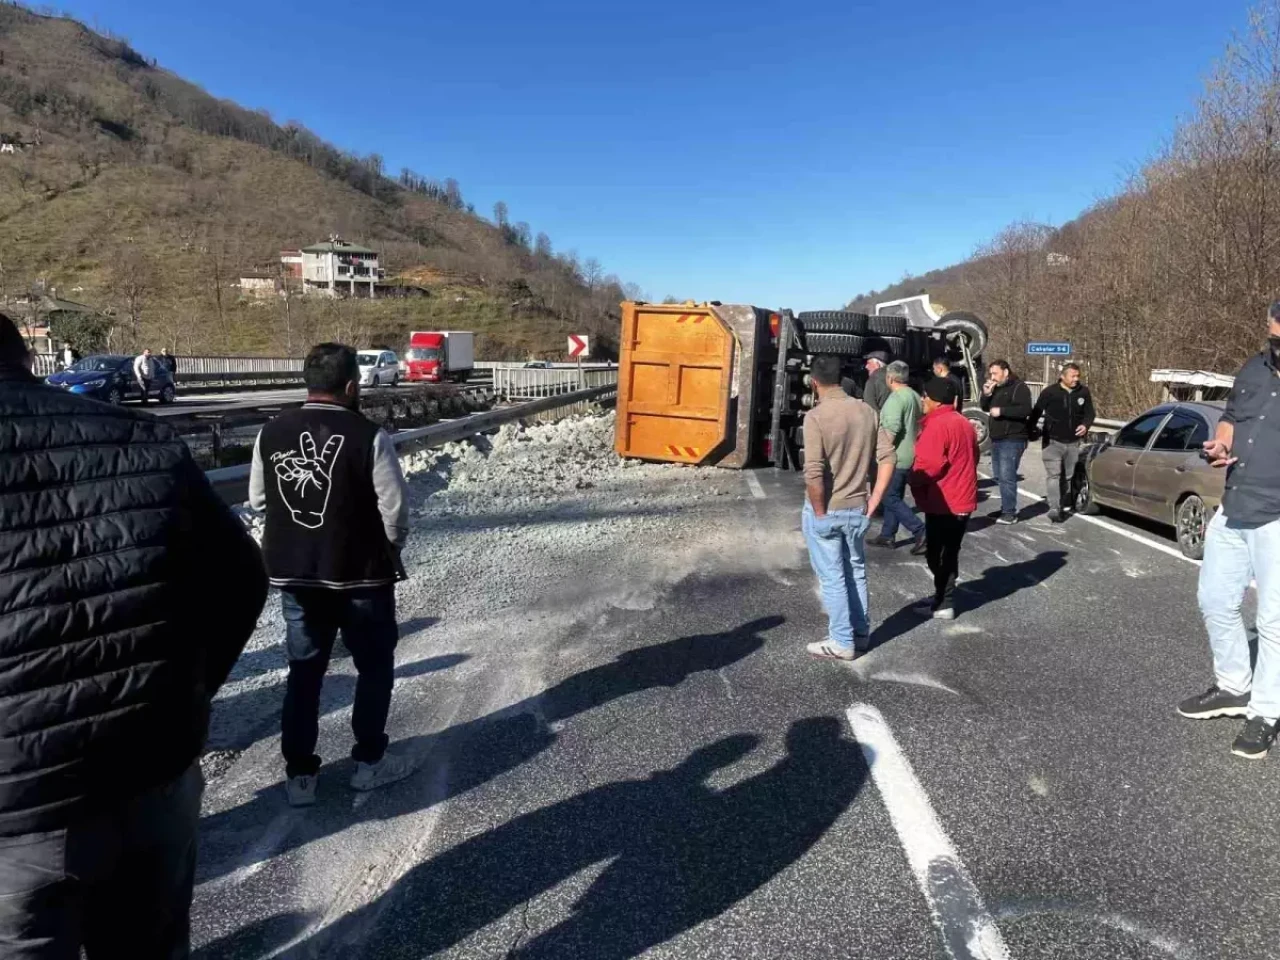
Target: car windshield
[424, 353]
[96, 364]
[368, 359]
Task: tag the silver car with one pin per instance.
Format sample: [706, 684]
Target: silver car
[378, 368]
[1153, 467]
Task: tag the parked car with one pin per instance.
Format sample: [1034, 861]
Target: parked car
[1153, 467]
[537, 365]
[378, 368]
[109, 377]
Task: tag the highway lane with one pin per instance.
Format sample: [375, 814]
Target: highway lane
[665, 773]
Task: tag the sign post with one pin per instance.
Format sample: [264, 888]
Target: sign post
[579, 347]
[1048, 349]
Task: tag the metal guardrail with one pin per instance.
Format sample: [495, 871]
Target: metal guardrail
[189, 367]
[534, 383]
[450, 430]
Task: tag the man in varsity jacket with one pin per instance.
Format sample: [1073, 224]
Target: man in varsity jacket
[337, 517]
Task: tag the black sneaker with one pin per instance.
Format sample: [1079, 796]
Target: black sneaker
[1056, 517]
[1007, 518]
[1255, 739]
[880, 541]
[1214, 702]
[920, 547]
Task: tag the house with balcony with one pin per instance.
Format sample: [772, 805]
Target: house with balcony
[338, 268]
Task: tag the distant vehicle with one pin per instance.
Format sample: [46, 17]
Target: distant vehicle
[437, 356]
[1152, 467]
[537, 365]
[109, 378]
[378, 368]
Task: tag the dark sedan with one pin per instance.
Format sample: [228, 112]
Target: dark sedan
[110, 378]
[1152, 467]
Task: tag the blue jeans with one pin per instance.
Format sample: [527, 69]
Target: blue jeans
[1233, 556]
[312, 619]
[1005, 457]
[837, 552]
[895, 509]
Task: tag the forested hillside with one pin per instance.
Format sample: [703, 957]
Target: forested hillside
[133, 190]
[1176, 270]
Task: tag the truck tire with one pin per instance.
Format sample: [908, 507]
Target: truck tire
[893, 346]
[980, 420]
[843, 344]
[973, 329]
[833, 321]
[889, 326]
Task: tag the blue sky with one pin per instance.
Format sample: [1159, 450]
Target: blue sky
[785, 154]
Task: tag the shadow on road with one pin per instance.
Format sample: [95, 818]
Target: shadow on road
[679, 853]
[242, 719]
[476, 751]
[996, 583]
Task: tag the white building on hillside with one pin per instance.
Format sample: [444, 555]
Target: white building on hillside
[338, 267]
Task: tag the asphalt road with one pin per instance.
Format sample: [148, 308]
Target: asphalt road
[672, 777]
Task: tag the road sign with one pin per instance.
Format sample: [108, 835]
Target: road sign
[579, 346]
[1048, 349]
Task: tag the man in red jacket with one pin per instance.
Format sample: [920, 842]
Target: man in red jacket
[944, 482]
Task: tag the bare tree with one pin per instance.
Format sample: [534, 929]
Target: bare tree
[131, 282]
[591, 273]
[500, 213]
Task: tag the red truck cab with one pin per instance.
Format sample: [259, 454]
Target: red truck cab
[424, 360]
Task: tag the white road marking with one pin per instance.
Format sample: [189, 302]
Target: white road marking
[753, 482]
[1106, 525]
[967, 929]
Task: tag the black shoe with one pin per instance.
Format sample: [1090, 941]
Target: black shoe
[1056, 517]
[920, 547]
[1215, 702]
[1007, 518]
[880, 541]
[1255, 739]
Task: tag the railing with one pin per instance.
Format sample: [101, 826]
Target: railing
[47, 363]
[534, 383]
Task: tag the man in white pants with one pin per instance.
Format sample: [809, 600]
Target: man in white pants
[1242, 545]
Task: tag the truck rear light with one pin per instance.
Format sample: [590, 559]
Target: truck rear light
[775, 325]
[768, 449]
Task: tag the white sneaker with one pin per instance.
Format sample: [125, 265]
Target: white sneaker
[944, 613]
[301, 791]
[390, 769]
[826, 650]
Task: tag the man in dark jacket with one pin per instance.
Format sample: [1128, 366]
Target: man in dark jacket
[330, 483]
[1007, 401]
[877, 391]
[127, 591]
[942, 369]
[1067, 409]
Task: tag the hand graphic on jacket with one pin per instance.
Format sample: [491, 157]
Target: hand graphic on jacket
[304, 479]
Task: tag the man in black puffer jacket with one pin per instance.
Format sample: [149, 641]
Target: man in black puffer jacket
[127, 591]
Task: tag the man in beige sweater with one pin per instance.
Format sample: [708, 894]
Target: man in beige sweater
[844, 453]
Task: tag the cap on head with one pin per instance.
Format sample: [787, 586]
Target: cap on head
[941, 390]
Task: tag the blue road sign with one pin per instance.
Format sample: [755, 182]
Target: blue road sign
[1048, 349]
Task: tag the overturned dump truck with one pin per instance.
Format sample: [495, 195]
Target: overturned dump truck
[728, 384]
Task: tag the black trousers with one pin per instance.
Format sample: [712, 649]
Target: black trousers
[944, 533]
[313, 617]
[117, 883]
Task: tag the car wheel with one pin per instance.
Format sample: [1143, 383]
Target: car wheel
[1191, 520]
[168, 394]
[981, 423]
[115, 397]
[1085, 504]
[395, 379]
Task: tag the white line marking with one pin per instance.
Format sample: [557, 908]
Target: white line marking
[1106, 525]
[968, 931]
[757, 491]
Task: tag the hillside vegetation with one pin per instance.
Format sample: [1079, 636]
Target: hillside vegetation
[1176, 270]
[148, 197]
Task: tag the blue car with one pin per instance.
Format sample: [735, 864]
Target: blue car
[110, 379]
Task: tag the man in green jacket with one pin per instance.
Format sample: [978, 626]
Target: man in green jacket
[900, 419]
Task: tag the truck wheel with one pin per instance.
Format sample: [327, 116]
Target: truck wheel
[981, 423]
[889, 326]
[968, 326]
[168, 393]
[833, 321]
[843, 344]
